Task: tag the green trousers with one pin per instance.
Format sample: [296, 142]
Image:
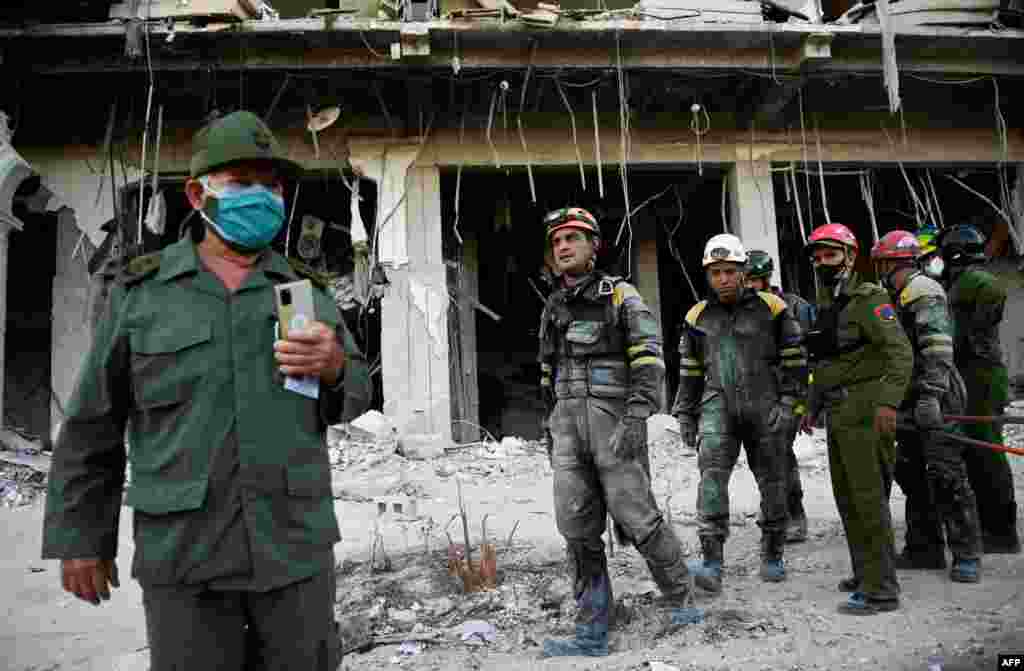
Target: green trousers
[861, 464]
[987, 470]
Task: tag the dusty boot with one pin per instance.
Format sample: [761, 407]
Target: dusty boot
[920, 560]
[772, 567]
[965, 570]
[707, 574]
[594, 603]
[849, 585]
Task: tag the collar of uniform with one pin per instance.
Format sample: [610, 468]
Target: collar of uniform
[182, 258]
[582, 286]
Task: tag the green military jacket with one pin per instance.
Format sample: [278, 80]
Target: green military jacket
[864, 342]
[924, 313]
[977, 301]
[229, 471]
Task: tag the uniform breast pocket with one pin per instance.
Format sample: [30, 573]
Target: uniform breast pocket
[585, 338]
[847, 335]
[168, 361]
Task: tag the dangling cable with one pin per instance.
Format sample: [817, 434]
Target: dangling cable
[458, 176]
[519, 124]
[869, 202]
[935, 197]
[572, 123]
[597, 146]
[799, 209]
[821, 174]
[695, 125]
[803, 152]
[673, 250]
[490, 124]
[725, 194]
[145, 128]
[623, 166]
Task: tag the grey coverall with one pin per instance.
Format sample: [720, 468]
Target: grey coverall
[601, 355]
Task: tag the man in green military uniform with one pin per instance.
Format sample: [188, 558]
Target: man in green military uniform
[977, 301]
[230, 482]
[742, 374]
[602, 368]
[861, 365]
[930, 469]
[760, 267]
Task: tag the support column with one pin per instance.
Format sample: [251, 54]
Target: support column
[468, 293]
[414, 310]
[752, 208]
[645, 274]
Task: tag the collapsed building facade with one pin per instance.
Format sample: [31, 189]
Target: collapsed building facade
[436, 135]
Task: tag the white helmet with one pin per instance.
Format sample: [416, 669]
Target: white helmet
[724, 247]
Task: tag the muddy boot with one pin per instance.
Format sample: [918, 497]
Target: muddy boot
[707, 574]
[591, 640]
[772, 567]
[965, 570]
[921, 560]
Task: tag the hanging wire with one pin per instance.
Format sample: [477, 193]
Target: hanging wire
[935, 196]
[918, 207]
[291, 218]
[522, 132]
[821, 176]
[699, 131]
[490, 125]
[725, 193]
[623, 169]
[145, 127]
[671, 237]
[572, 123]
[869, 201]
[799, 208]
[803, 152]
[458, 176]
[597, 146]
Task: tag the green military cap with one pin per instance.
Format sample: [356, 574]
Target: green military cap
[239, 136]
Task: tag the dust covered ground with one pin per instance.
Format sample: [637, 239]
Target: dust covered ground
[400, 607]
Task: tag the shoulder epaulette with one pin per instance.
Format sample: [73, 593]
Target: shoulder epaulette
[776, 304]
[622, 291]
[140, 268]
[319, 280]
[921, 286]
[694, 313]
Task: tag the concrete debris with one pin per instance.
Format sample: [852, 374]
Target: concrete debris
[655, 665]
[422, 446]
[374, 426]
[662, 427]
[478, 631]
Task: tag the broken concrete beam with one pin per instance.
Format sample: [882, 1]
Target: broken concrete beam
[719, 11]
[172, 9]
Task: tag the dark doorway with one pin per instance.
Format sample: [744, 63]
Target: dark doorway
[31, 265]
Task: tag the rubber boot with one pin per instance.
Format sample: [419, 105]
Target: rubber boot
[920, 560]
[965, 570]
[773, 569]
[591, 640]
[707, 574]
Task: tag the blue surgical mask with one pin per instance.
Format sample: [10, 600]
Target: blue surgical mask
[247, 216]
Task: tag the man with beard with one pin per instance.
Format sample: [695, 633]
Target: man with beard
[977, 301]
[743, 371]
[602, 368]
[760, 267]
[861, 363]
[930, 469]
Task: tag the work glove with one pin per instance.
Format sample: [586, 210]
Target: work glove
[630, 438]
[688, 430]
[781, 417]
[928, 413]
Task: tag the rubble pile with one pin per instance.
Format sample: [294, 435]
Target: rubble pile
[23, 470]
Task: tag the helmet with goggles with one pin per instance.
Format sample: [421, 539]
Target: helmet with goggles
[570, 217]
[759, 264]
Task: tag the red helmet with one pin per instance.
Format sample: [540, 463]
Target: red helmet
[833, 235]
[571, 217]
[896, 245]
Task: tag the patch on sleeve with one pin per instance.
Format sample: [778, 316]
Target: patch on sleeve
[886, 312]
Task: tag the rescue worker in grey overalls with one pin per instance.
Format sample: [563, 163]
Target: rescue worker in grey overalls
[602, 367]
[760, 267]
[743, 371]
[930, 467]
